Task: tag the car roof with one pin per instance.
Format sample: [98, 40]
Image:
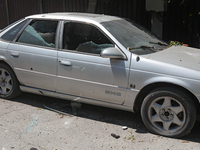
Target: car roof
[76, 16]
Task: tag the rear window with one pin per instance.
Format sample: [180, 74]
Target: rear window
[10, 34]
[11, 25]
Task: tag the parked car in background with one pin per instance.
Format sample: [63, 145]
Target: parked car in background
[106, 61]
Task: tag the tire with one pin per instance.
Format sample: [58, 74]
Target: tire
[168, 112]
[9, 85]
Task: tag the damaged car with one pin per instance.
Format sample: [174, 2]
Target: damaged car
[106, 61]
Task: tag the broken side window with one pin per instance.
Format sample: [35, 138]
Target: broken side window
[40, 32]
[84, 38]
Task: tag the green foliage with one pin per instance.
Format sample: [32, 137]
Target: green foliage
[175, 43]
[131, 137]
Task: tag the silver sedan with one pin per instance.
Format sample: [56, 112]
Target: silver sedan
[102, 60]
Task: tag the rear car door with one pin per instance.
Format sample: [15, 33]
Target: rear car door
[34, 54]
[83, 72]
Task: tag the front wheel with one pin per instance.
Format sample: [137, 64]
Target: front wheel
[9, 85]
[168, 112]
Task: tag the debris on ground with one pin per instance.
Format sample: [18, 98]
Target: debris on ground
[115, 136]
[131, 137]
[12, 147]
[185, 142]
[124, 127]
[33, 148]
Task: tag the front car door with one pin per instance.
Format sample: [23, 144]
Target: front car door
[34, 54]
[83, 72]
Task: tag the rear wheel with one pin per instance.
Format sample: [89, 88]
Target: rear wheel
[168, 112]
[9, 85]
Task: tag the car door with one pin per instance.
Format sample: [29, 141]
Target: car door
[83, 72]
[34, 54]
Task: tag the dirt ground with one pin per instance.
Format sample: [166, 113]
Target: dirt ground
[27, 124]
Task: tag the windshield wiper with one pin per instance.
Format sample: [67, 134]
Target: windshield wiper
[143, 47]
[159, 43]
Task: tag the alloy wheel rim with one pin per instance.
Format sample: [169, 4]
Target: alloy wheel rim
[6, 82]
[167, 114]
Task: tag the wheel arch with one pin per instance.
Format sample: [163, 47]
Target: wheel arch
[4, 62]
[150, 87]
[13, 89]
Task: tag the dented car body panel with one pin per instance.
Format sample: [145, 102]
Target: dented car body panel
[67, 70]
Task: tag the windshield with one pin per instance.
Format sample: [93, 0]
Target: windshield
[136, 39]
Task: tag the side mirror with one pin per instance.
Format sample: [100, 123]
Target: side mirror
[112, 52]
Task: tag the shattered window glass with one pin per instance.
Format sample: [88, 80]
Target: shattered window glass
[84, 38]
[40, 32]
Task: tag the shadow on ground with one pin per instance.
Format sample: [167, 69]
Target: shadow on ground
[101, 114]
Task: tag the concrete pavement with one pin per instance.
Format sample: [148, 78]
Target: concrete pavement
[25, 124]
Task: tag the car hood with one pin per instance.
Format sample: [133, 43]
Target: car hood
[178, 55]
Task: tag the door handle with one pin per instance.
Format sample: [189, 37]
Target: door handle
[14, 54]
[65, 63]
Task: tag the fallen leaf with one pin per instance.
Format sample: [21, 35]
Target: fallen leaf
[185, 142]
[131, 137]
[185, 45]
[62, 116]
[39, 108]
